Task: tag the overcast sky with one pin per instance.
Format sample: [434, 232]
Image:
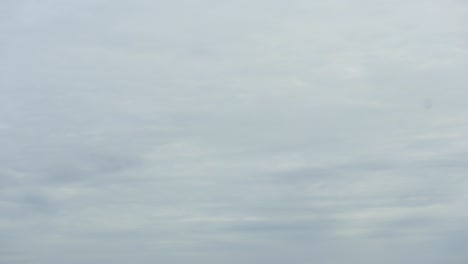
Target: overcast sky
[225, 132]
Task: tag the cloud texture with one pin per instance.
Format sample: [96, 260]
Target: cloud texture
[233, 132]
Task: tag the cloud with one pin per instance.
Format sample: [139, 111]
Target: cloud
[216, 132]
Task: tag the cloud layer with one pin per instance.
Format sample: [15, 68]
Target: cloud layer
[233, 132]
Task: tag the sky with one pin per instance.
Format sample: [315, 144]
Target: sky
[156, 131]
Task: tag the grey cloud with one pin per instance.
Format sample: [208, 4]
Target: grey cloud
[226, 132]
